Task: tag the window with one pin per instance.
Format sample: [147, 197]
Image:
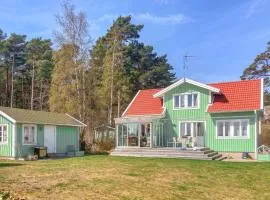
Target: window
[3, 134]
[186, 100]
[232, 128]
[29, 135]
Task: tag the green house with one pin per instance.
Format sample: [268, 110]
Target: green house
[22, 130]
[224, 117]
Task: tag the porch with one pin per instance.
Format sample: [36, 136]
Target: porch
[158, 132]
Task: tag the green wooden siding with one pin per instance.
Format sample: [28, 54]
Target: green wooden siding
[6, 149]
[25, 150]
[174, 116]
[66, 136]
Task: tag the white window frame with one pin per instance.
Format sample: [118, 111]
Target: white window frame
[29, 125]
[1, 143]
[186, 101]
[231, 132]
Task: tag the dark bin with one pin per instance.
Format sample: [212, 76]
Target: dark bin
[41, 152]
[245, 155]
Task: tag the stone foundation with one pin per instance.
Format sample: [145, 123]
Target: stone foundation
[236, 155]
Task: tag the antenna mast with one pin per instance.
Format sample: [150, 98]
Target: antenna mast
[185, 63]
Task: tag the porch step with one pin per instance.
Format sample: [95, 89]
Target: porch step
[216, 157]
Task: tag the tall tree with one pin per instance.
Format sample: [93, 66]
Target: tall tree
[114, 81]
[260, 68]
[12, 57]
[63, 94]
[73, 30]
[39, 60]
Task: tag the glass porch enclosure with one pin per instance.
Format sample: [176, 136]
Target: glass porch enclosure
[144, 134]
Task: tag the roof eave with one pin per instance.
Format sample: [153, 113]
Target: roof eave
[185, 80]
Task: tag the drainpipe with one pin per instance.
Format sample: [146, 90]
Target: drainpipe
[256, 133]
[151, 135]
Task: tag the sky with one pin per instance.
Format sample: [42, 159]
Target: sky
[222, 36]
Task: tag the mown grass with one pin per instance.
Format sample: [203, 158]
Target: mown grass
[105, 177]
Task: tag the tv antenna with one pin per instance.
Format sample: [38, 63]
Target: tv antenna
[186, 58]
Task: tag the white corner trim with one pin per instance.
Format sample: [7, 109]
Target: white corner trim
[7, 116]
[262, 93]
[183, 80]
[131, 103]
[76, 120]
[14, 140]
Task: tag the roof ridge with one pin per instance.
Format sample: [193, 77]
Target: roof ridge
[233, 81]
[23, 109]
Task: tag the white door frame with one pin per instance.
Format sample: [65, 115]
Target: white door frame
[192, 121]
[54, 148]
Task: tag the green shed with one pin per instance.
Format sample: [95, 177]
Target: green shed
[21, 130]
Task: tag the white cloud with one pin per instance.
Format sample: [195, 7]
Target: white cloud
[164, 1]
[253, 7]
[147, 17]
[170, 19]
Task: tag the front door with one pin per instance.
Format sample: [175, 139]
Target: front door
[199, 136]
[50, 138]
[192, 134]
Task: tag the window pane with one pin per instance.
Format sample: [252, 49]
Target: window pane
[176, 101]
[195, 100]
[244, 125]
[4, 133]
[236, 128]
[189, 100]
[188, 133]
[195, 129]
[220, 128]
[227, 128]
[182, 100]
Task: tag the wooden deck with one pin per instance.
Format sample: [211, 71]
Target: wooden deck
[199, 153]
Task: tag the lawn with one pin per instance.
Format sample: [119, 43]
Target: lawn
[105, 177]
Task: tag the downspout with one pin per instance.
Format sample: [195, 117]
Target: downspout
[256, 133]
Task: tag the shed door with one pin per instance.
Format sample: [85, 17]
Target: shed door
[50, 138]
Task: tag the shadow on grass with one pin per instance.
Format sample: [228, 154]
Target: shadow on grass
[10, 164]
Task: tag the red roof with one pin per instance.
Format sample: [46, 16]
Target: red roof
[237, 96]
[145, 104]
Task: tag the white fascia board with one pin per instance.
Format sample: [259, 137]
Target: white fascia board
[76, 120]
[7, 116]
[183, 80]
[131, 103]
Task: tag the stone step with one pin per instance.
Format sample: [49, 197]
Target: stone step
[222, 158]
[216, 156]
[212, 154]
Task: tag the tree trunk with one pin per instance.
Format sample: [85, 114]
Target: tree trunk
[32, 87]
[7, 87]
[23, 100]
[112, 82]
[41, 96]
[12, 82]
[118, 103]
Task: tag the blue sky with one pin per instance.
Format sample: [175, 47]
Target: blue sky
[225, 36]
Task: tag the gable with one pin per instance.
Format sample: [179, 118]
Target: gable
[183, 81]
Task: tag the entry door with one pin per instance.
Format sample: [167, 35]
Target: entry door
[200, 134]
[50, 138]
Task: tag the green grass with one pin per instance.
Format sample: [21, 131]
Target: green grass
[105, 177]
